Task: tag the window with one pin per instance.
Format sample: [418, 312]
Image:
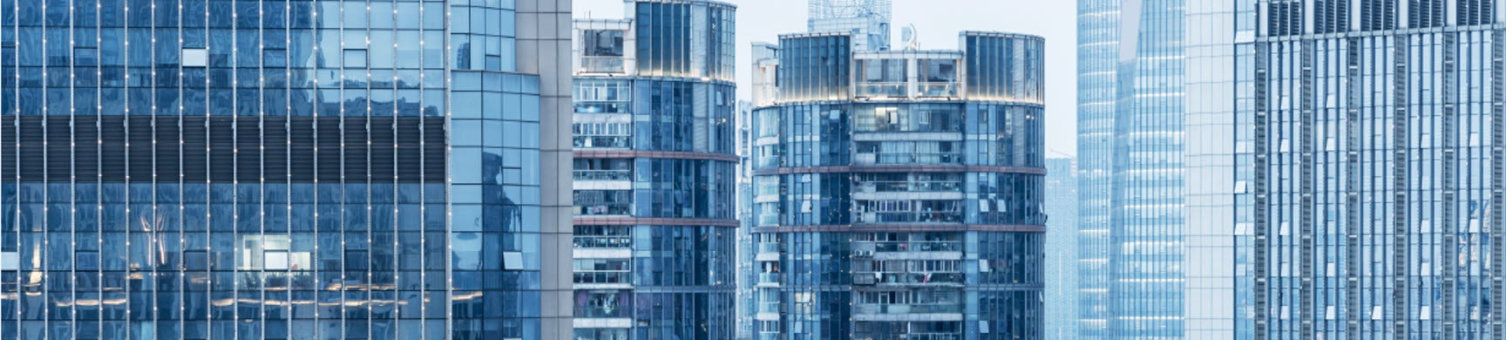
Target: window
[512, 260]
[355, 58]
[603, 43]
[195, 57]
[10, 261]
[275, 260]
[938, 70]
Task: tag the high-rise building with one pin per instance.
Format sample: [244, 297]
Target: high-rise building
[899, 194]
[1210, 263]
[283, 170]
[1370, 144]
[655, 173]
[1061, 238]
[1131, 168]
[745, 252]
[866, 20]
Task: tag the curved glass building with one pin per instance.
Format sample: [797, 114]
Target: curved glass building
[655, 167]
[223, 169]
[898, 194]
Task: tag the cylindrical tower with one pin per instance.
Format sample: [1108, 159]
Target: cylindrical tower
[897, 194]
[655, 165]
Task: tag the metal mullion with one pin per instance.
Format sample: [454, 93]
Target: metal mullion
[396, 230]
[287, 126]
[72, 230]
[316, 271]
[235, 159]
[340, 203]
[98, 116]
[14, 212]
[422, 202]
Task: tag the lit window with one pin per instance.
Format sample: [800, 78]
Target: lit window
[195, 57]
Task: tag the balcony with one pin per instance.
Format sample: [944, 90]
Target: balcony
[910, 186]
[908, 158]
[603, 64]
[908, 279]
[622, 209]
[602, 142]
[768, 279]
[603, 175]
[938, 217]
[942, 90]
[917, 246]
[881, 308]
[602, 242]
[883, 90]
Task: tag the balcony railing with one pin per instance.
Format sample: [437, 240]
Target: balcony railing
[917, 246]
[603, 142]
[601, 277]
[879, 308]
[603, 175]
[603, 242]
[910, 186]
[769, 278]
[602, 65]
[768, 307]
[907, 278]
[911, 217]
[909, 336]
[604, 209]
[937, 90]
[880, 90]
[909, 158]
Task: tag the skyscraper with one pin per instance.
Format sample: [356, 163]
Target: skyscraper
[1371, 156]
[1131, 170]
[866, 20]
[745, 252]
[1061, 238]
[283, 170]
[655, 167]
[898, 194]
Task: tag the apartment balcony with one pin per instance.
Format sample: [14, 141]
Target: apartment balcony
[907, 158]
[768, 280]
[938, 279]
[907, 312]
[883, 90]
[912, 217]
[938, 90]
[603, 64]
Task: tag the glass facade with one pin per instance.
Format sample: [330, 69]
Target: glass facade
[218, 169]
[1132, 175]
[655, 170]
[901, 197]
[1371, 162]
[866, 20]
[1061, 238]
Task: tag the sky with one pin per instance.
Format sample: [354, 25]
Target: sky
[937, 23]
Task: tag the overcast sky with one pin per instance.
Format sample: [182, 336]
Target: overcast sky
[938, 22]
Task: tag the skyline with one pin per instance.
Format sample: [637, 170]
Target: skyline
[731, 169]
[937, 24]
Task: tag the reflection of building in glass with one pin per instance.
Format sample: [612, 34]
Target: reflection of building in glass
[906, 204]
[655, 168]
[281, 170]
[866, 20]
